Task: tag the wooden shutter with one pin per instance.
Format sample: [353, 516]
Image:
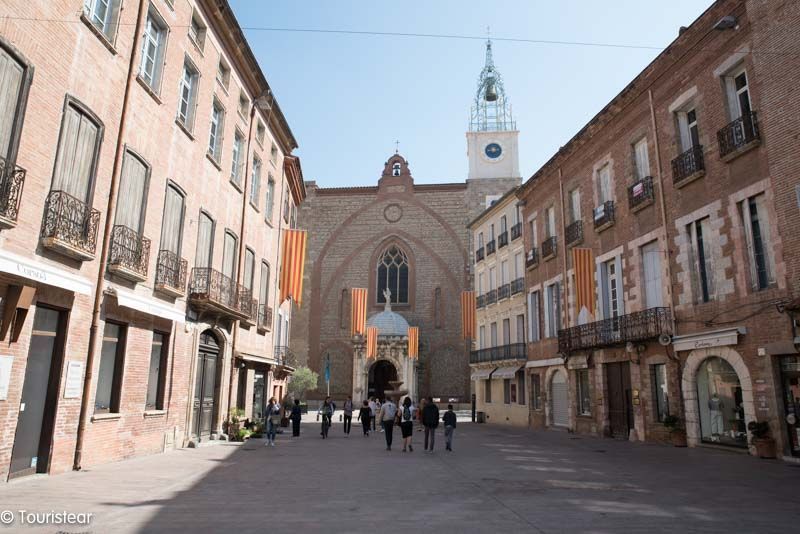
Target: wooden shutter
[205, 237]
[76, 150]
[172, 221]
[132, 189]
[651, 264]
[229, 256]
[249, 267]
[11, 74]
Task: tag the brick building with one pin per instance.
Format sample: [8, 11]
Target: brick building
[356, 234]
[145, 178]
[684, 187]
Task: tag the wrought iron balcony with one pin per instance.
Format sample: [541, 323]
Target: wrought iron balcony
[688, 166]
[480, 302]
[70, 226]
[248, 305]
[210, 290]
[264, 318]
[490, 247]
[604, 215]
[549, 248]
[516, 231]
[170, 274]
[12, 178]
[532, 258]
[574, 233]
[739, 136]
[479, 254]
[284, 356]
[129, 255]
[512, 351]
[504, 291]
[502, 239]
[491, 296]
[641, 194]
[637, 326]
[518, 286]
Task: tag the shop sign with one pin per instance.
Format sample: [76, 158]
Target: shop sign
[74, 382]
[5, 375]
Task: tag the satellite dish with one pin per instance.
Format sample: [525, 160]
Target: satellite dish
[664, 339]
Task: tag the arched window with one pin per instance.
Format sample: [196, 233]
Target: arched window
[393, 274]
[396, 169]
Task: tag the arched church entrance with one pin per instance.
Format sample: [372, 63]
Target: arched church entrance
[380, 374]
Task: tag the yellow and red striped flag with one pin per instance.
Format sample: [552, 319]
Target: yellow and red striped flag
[413, 342]
[372, 342]
[293, 262]
[468, 317]
[358, 311]
[583, 262]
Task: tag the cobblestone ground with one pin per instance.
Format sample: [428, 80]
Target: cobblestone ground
[497, 480]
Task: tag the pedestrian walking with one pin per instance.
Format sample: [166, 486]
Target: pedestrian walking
[326, 411]
[373, 410]
[295, 417]
[407, 416]
[422, 402]
[273, 416]
[430, 418]
[348, 414]
[378, 406]
[366, 417]
[449, 419]
[387, 414]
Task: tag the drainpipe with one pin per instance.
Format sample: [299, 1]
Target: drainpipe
[110, 212]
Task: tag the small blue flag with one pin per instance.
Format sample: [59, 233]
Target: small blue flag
[328, 368]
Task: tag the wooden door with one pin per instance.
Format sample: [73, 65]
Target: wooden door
[620, 410]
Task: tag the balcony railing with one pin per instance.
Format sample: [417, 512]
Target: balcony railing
[637, 326]
[211, 290]
[284, 356]
[739, 134]
[264, 317]
[491, 296]
[479, 254]
[549, 247]
[516, 231]
[688, 165]
[518, 286]
[641, 193]
[532, 258]
[574, 233]
[480, 302]
[170, 273]
[604, 215]
[504, 291]
[70, 226]
[248, 305]
[12, 179]
[130, 254]
[502, 239]
[490, 247]
[512, 351]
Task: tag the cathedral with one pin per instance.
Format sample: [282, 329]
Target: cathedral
[409, 246]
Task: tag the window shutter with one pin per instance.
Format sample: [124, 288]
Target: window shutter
[10, 83]
[747, 224]
[264, 286]
[763, 220]
[173, 218]
[205, 233]
[130, 199]
[75, 154]
[706, 226]
[249, 266]
[229, 257]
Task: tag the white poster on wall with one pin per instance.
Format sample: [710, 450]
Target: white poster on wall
[74, 383]
[5, 375]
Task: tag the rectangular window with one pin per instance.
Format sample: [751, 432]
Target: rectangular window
[205, 241]
[536, 391]
[575, 205]
[503, 224]
[172, 222]
[506, 331]
[507, 395]
[273, 154]
[480, 240]
[263, 296]
[504, 274]
[611, 289]
[604, 186]
[223, 73]
[492, 279]
[230, 253]
[78, 146]
[534, 320]
[244, 104]
[270, 204]
[651, 275]
[104, 15]
[188, 95]
[109, 374]
[757, 238]
[482, 337]
[519, 266]
[237, 161]
[154, 44]
[197, 30]
[261, 131]
[156, 377]
[255, 182]
[217, 129]
[553, 304]
[493, 333]
[660, 391]
[487, 391]
[688, 129]
[521, 387]
[699, 232]
[132, 193]
[286, 204]
[249, 269]
[641, 158]
[13, 94]
[584, 395]
[520, 328]
[738, 92]
[550, 220]
[491, 232]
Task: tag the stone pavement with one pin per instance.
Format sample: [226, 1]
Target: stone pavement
[498, 479]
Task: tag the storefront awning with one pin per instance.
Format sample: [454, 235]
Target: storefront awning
[544, 363]
[506, 372]
[43, 273]
[148, 305]
[481, 374]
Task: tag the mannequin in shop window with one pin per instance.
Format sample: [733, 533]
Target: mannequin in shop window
[715, 406]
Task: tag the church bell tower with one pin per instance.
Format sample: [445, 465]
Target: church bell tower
[492, 139]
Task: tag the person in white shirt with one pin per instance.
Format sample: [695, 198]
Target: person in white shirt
[373, 411]
[386, 415]
[407, 415]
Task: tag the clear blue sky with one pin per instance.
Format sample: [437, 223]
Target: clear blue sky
[349, 97]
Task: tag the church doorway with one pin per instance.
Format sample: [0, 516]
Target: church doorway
[380, 374]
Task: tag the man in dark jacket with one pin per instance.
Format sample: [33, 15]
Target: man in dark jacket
[449, 419]
[430, 420]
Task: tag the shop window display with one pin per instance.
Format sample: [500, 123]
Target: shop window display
[719, 394]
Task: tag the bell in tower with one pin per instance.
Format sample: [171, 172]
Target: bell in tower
[491, 90]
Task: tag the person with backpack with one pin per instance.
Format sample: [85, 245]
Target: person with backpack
[366, 417]
[430, 418]
[348, 414]
[449, 419]
[387, 414]
[407, 415]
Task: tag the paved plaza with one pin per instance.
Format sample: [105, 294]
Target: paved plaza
[498, 480]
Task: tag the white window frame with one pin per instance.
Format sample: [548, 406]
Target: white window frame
[734, 105]
[641, 158]
[255, 182]
[187, 94]
[154, 44]
[765, 231]
[197, 35]
[216, 130]
[605, 185]
[107, 22]
[534, 320]
[236, 158]
[575, 205]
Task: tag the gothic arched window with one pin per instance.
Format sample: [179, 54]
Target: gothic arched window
[393, 274]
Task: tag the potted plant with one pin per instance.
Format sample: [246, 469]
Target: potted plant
[676, 431]
[762, 440]
[235, 421]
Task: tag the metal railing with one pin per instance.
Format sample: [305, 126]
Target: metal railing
[479, 254]
[491, 296]
[490, 247]
[248, 305]
[70, 221]
[573, 234]
[512, 351]
[502, 239]
[480, 302]
[504, 291]
[641, 192]
[129, 250]
[604, 214]
[636, 326]
[532, 257]
[264, 317]
[171, 270]
[284, 356]
[549, 247]
[12, 179]
[688, 163]
[738, 134]
[516, 231]
[518, 286]
[211, 285]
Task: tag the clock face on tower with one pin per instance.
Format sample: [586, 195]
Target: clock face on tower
[493, 150]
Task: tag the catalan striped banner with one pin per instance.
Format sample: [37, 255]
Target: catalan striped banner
[358, 311]
[413, 342]
[468, 318]
[583, 263]
[292, 264]
[372, 342]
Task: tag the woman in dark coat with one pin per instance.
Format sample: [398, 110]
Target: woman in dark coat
[295, 417]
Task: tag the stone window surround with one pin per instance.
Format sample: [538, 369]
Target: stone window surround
[602, 162]
[615, 253]
[635, 288]
[544, 303]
